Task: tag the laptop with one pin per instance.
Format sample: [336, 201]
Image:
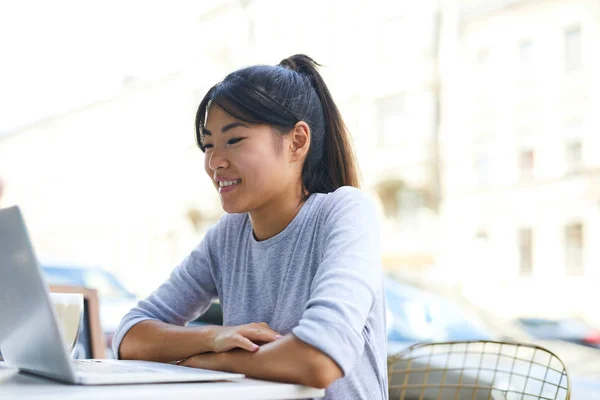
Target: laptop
[31, 338]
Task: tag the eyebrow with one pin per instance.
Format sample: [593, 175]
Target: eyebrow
[225, 128]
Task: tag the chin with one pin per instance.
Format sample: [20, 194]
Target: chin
[233, 208]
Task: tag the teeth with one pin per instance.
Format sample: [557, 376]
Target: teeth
[228, 183]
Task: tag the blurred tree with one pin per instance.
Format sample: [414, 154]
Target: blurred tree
[196, 218]
[389, 191]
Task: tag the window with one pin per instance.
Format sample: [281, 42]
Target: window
[482, 249]
[481, 58]
[573, 156]
[525, 56]
[481, 163]
[573, 49]
[525, 252]
[574, 249]
[573, 146]
[390, 119]
[526, 164]
[481, 71]
[482, 157]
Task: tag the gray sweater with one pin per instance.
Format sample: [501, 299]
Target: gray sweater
[319, 279]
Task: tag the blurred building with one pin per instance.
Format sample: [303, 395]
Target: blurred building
[472, 121]
[118, 183]
[394, 114]
[521, 216]
[101, 156]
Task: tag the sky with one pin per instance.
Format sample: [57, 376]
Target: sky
[61, 55]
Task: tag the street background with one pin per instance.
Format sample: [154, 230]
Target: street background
[473, 122]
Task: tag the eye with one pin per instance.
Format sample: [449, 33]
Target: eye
[235, 140]
[207, 146]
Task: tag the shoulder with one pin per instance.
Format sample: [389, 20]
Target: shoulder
[348, 209]
[349, 193]
[349, 199]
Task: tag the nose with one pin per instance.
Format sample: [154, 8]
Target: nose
[217, 160]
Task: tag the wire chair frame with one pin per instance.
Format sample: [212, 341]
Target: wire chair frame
[477, 370]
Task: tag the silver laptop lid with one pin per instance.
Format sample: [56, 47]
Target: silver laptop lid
[30, 338]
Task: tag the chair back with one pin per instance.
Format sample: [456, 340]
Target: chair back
[477, 370]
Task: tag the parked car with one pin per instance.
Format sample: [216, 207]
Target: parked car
[115, 300]
[573, 329]
[415, 315]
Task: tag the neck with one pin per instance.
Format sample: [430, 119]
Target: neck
[275, 215]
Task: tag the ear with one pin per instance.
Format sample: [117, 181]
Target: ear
[299, 141]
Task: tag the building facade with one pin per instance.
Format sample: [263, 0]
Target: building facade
[473, 123]
[520, 142]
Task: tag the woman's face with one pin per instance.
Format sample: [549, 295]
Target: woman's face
[244, 163]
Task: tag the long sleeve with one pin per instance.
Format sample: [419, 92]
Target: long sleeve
[347, 283]
[183, 297]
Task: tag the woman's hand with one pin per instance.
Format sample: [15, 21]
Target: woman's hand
[247, 337]
[288, 359]
[210, 361]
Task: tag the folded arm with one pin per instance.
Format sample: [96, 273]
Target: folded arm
[330, 337]
[153, 340]
[288, 359]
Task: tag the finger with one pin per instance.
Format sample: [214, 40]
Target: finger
[245, 343]
[263, 327]
[260, 335]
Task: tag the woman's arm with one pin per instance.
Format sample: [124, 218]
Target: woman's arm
[155, 329]
[287, 360]
[158, 341]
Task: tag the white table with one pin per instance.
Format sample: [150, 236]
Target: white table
[26, 387]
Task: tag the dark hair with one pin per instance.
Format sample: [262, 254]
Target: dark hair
[281, 96]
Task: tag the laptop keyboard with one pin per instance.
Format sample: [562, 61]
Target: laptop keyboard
[97, 366]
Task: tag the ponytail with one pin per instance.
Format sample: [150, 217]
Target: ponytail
[338, 160]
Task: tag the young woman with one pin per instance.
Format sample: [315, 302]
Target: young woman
[295, 262]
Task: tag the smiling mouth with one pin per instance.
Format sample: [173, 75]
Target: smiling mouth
[224, 184]
[228, 186]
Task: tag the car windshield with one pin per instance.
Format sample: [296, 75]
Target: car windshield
[565, 327]
[107, 285]
[104, 282]
[420, 315]
[64, 276]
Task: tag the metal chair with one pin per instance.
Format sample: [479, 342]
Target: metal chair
[477, 370]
